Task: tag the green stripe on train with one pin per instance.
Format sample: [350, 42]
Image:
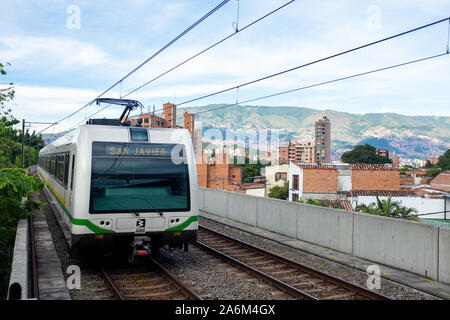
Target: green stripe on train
[95, 229]
[78, 222]
[184, 224]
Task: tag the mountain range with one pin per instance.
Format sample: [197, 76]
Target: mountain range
[407, 136]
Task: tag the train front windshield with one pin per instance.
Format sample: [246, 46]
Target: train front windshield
[134, 178]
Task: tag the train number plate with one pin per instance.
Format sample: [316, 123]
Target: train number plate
[140, 226]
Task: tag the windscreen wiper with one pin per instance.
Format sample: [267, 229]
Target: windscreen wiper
[135, 212]
[141, 198]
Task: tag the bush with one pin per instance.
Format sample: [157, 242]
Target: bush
[15, 184]
[314, 202]
[280, 192]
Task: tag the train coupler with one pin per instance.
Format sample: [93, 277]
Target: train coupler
[141, 249]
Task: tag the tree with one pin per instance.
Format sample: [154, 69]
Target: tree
[444, 161]
[388, 208]
[364, 154]
[280, 192]
[7, 122]
[15, 184]
[405, 168]
[433, 172]
[10, 138]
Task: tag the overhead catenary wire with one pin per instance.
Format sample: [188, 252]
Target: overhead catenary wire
[448, 36]
[315, 61]
[194, 56]
[291, 69]
[146, 61]
[210, 47]
[327, 82]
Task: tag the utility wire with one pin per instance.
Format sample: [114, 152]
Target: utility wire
[196, 55]
[326, 82]
[210, 47]
[314, 62]
[146, 61]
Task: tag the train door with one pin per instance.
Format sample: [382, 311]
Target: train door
[71, 169]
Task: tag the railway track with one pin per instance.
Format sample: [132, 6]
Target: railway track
[297, 279]
[155, 283]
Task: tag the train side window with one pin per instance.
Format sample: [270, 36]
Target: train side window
[52, 165]
[73, 172]
[61, 169]
[66, 169]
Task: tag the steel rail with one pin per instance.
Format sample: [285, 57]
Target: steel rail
[191, 294]
[110, 283]
[297, 293]
[188, 292]
[369, 294]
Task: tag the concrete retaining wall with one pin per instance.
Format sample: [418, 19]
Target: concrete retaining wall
[18, 280]
[444, 255]
[415, 247]
[406, 245]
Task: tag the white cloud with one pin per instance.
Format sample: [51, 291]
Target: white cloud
[59, 52]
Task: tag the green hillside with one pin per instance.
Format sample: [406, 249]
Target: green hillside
[408, 136]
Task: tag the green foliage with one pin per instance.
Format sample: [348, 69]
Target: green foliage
[10, 138]
[433, 172]
[250, 170]
[314, 202]
[428, 165]
[364, 154]
[280, 192]
[406, 168]
[388, 208]
[444, 161]
[15, 184]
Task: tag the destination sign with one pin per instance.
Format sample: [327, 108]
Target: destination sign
[153, 150]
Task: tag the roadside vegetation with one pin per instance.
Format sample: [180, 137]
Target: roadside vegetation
[280, 192]
[388, 208]
[314, 202]
[364, 154]
[442, 165]
[15, 183]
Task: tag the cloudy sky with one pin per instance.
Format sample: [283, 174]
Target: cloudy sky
[64, 53]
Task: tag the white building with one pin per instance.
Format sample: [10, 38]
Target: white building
[275, 175]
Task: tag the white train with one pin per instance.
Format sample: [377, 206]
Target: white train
[115, 185]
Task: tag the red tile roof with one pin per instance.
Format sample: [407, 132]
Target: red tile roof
[340, 204]
[379, 167]
[381, 193]
[314, 166]
[442, 181]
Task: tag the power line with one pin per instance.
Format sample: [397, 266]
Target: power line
[314, 62]
[327, 82]
[210, 47]
[147, 60]
[194, 56]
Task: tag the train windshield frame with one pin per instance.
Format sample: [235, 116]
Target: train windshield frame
[138, 178]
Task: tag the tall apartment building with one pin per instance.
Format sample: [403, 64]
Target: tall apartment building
[297, 151]
[323, 141]
[307, 152]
